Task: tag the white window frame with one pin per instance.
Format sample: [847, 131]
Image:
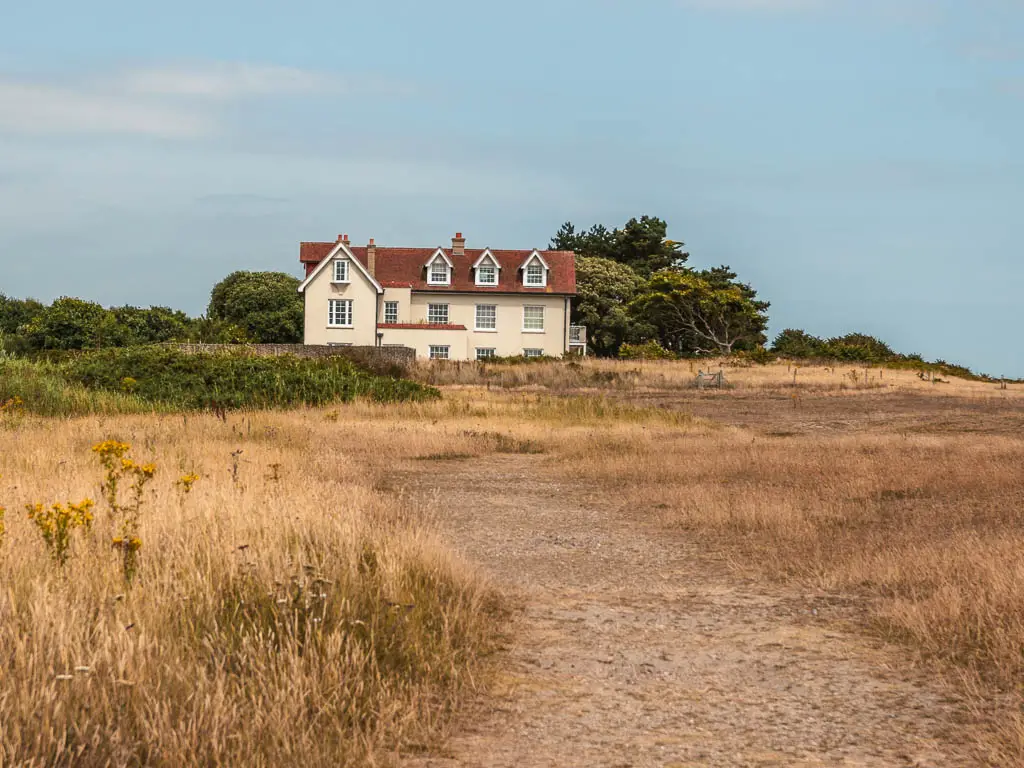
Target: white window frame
[344, 278]
[484, 328]
[430, 311]
[333, 312]
[489, 352]
[494, 271]
[447, 352]
[543, 275]
[387, 306]
[533, 352]
[527, 329]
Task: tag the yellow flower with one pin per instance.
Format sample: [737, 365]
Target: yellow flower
[111, 448]
[187, 481]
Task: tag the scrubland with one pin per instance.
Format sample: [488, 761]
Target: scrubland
[297, 605]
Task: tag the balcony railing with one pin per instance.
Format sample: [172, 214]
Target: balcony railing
[578, 339]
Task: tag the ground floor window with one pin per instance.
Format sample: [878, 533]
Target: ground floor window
[533, 353]
[437, 314]
[439, 352]
[482, 353]
[339, 313]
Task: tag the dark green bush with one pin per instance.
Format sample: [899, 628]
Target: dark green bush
[649, 350]
[165, 378]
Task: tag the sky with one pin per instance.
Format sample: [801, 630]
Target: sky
[859, 162]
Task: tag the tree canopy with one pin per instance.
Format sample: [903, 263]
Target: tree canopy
[604, 289]
[266, 304]
[634, 287]
[701, 313]
[642, 244]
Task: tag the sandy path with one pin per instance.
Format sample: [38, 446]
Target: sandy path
[633, 649]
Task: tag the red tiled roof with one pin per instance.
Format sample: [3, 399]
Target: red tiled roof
[423, 326]
[406, 268]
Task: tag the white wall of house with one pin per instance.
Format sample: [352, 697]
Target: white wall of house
[359, 291]
[507, 339]
[511, 335]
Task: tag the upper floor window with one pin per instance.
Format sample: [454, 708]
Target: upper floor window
[533, 318]
[391, 312]
[339, 313]
[486, 274]
[438, 274]
[486, 317]
[341, 271]
[535, 275]
[437, 314]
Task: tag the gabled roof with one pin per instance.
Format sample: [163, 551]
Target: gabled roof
[337, 249]
[486, 255]
[535, 255]
[406, 268]
[439, 252]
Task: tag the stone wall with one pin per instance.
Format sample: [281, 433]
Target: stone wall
[378, 359]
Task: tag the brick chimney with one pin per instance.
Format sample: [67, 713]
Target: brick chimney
[371, 258]
[343, 239]
[458, 245]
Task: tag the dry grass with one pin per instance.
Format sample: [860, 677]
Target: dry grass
[285, 613]
[596, 375]
[925, 532]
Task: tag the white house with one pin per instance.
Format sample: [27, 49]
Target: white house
[446, 303]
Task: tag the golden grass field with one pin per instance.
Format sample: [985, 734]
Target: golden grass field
[298, 606]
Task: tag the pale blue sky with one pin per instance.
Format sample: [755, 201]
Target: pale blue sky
[859, 161]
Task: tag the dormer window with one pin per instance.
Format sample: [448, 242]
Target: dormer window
[439, 269]
[438, 273]
[535, 275]
[486, 275]
[486, 269]
[341, 271]
[535, 271]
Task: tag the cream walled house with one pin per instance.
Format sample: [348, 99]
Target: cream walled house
[446, 303]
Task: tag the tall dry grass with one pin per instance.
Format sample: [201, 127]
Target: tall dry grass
[596, 375]
[287, 611]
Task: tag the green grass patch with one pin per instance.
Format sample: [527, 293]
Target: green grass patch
[147, 379]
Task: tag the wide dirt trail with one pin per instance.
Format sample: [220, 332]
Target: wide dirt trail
[635, 649]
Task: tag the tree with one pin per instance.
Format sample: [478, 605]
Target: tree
[70, 323]
[266, 305]
[702, 312]
[642, 244]
[796, 343]
[156, 325]
[15, 313]
[604, 289]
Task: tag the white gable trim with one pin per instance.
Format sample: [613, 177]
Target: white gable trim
[440, 252]
[535, 255]
[487, 255]
[339, 249]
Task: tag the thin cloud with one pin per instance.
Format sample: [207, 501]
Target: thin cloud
[171, 102]
[34, 109]
[225, 81]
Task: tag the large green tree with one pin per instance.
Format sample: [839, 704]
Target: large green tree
[641, 244]
[15, 313]
[266, 305]
[71, 323]
[705, 312]
[604, 289]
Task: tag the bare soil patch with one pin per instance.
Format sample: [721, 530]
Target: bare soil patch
[637, 648]
[781, 414]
